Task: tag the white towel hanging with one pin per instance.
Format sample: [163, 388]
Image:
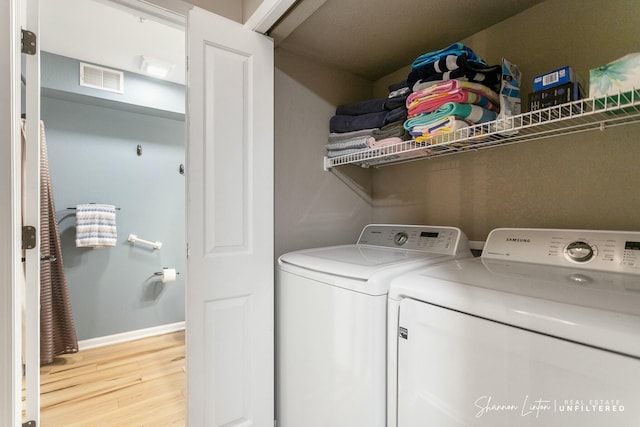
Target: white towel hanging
[95, 225]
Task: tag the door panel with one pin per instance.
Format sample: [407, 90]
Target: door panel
[226, 181]
[230, 224]
[458, 370]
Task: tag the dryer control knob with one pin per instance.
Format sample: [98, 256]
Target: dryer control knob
[579, 251]
[400, 238]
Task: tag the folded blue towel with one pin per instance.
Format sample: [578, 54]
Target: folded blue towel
[343, 123]
[363, 107]
[371, 106]
[397, 114]
[453, 49]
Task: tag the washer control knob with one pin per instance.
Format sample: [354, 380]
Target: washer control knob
[579, 251]
[400, 238]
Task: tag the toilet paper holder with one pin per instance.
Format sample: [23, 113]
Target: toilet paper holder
[160, 273]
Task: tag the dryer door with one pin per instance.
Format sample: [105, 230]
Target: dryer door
[459, 370]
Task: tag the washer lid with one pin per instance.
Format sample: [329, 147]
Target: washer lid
[358, 262]
[382, 246]
[601, 309]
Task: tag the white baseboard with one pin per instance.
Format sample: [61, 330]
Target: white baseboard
[130, 336]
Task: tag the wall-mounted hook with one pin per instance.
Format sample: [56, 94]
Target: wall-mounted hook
[181, 169]
[139, 150]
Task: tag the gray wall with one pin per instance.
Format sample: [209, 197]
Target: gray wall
[92, 157]
[575, 181]
[314, 207]
[60, 79]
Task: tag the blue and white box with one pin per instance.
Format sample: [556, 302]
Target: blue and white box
[555, 78]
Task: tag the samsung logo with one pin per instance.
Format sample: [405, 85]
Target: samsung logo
[518, 240]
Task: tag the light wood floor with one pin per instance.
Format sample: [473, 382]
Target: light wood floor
[139, 383]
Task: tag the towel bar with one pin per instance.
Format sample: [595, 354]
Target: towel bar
[91, 204]
[133, 239]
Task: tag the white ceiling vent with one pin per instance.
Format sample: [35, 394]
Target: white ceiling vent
[101, 78]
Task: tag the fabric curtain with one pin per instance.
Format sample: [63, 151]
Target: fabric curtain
[57, 329]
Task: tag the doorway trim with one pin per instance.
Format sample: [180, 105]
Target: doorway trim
[10, 187]
[10, 263]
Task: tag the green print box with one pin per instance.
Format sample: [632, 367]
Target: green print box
[621, 75]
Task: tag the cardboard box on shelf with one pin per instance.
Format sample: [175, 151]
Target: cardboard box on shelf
[555, 96]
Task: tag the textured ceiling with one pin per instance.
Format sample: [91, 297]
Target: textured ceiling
[111, 35]
[369, 38]
[372, 38]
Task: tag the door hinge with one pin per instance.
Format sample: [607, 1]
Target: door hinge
[29, 424]
[28, 42]
[28, 237]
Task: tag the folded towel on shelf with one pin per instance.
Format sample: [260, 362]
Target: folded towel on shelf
[445, 125]
[95, 225]
[457, 67]
[455, 49]
[393, 133]
[428, 82]
[399, 86]
[395, 102]
[400, 92]
[372, 147]
[337, 153]
[356, 142]
[344, 123]
[396, 114]
[393, 129]
[362, 107]
[343, 136]
[430, 103]
[377, 143]
[453, 86]
[469, 112]
[371, 106]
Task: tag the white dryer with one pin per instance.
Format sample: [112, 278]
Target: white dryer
[331, 307]
[542, 330]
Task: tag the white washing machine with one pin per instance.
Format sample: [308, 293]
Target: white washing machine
[542, 330]
[331, 322]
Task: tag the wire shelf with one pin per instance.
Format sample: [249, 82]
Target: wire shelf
[572, 117]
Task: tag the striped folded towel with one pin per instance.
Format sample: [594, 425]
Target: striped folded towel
[95, 225]
[468, 112]
[453, 86]
[445, 125]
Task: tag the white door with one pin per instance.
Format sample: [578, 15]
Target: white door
[230, 224]
[230, 231]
